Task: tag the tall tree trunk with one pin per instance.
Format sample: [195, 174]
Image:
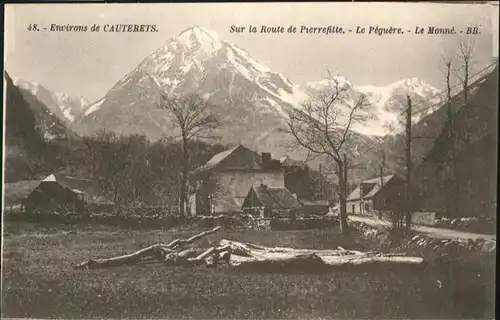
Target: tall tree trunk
[408, 166]
[466, 81]
[455, 203]
[466, 92]
[342, 174]
[184, 174]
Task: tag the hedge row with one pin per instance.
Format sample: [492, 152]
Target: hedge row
[233, 221]
[129, 221]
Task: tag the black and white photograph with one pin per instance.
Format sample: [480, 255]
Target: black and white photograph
[302, 160]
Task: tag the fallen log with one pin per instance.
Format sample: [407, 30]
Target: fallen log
[174, 257]
[253, 250]
[156, 251]
[302, 263]
[252, 257]
[179, 242]
[211, 252]
[160, 251]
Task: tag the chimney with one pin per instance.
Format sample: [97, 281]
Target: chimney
[266, 159]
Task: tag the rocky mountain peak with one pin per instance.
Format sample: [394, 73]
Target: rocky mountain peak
[199, 38]
[66, 107]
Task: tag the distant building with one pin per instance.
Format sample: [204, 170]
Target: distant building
[379, 194]
[270, 202]
[308, 184]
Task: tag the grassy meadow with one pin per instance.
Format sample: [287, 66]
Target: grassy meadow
[39, 281]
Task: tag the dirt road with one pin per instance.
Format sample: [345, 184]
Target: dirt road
[438, 233]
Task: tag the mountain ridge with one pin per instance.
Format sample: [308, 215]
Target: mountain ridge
[198, 60]
[64, 106]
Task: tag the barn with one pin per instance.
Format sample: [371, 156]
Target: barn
[52, 196]
[270, 202]
[48, 195]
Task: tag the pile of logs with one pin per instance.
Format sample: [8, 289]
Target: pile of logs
[247, 256]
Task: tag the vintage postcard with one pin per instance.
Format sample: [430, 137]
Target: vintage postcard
[250, 160]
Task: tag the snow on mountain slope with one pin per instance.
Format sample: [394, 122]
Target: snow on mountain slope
[244, 91]
[93, 107]
[48, 121]
[386, 103]
[65, 107]
[249, 98]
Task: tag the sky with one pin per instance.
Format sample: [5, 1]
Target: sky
[89, 64]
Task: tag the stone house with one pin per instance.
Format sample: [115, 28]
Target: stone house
[223, 182]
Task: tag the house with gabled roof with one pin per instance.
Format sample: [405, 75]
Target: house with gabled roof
[386, 193]
[222, 184]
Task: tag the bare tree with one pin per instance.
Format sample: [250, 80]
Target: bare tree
[462, 73]
[451, 135]
[195, 120]
[401, 162]
[381, 164]
[323, 126]
[409, 206]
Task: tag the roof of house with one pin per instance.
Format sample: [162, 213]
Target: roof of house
[276, 198]
[219, 157]
[236, 158]
[370, 188]
[81, 184]
[50, 178]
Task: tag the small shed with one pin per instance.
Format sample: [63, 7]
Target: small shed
[52, 196]
[270, 201]
[47, 195]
